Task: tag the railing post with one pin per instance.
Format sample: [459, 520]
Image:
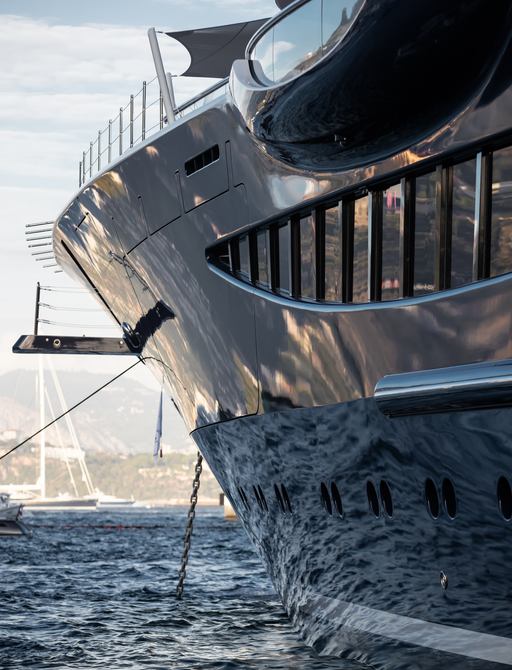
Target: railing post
[170, 87]
[36, 315]
[90, 159]
[120, 130]
[84, 171]
[99, 150]
[143, 110]
[131, 120]
[79, 173]
[161, 110]
[109, 153]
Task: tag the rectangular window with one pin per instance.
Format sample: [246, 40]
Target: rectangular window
[243, 250]
[284, 258]
[501, 212]
[333, 254]
[360, 263]
[426, 244]
[263, 257]
[463, 223]
[307, 257]
[391, 206]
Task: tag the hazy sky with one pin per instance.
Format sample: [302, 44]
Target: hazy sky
[67, 67]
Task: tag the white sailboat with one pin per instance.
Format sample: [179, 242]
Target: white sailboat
[34, 497]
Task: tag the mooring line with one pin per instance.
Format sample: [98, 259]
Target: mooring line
[70, 409]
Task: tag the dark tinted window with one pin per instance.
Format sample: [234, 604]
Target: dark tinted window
[463, 222]
[262, 247]
[307, 257]
[391, 243]
[284, 258]
[360, 268]
[501, 221]
[333, 254]
[243, 250]
[425, 238]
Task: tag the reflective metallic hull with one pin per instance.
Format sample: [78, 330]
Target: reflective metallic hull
[281, 392]
[369, 587]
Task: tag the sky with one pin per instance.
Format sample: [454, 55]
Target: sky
[67, 67]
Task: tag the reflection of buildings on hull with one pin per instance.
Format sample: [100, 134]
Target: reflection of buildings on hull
[293, 291]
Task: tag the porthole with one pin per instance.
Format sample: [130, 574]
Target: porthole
[373, 500]
[386, 498]
[279, 498]
[257, 496]
[504, 494]
[243, 497]
[449, 498]
[432, 498]
[336, 497]
[286, 498]
[263, 499]
[326, 499]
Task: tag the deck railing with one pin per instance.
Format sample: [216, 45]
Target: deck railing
[142, 116]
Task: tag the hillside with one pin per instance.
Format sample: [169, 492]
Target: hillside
[119, 420]
[120, 475]
[115, 429]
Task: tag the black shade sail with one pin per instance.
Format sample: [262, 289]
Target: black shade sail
[213, 50]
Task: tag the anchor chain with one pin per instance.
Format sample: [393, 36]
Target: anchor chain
[190, 525]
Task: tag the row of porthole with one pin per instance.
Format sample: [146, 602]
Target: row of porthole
[281, 493]
[331, 499]
[448, 497]
[383, 499]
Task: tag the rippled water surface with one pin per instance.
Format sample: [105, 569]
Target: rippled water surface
[96, 590]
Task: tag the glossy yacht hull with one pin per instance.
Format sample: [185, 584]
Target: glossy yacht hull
[337, 492]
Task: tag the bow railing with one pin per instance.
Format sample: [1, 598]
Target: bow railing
[142, 116]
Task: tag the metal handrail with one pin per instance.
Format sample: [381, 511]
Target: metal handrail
[202, 95]
[149, 117]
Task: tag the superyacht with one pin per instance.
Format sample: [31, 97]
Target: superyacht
[316, 254]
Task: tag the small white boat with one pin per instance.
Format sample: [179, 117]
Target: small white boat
[106, 502]
[10, 517]
[9, 511]
[62, 502]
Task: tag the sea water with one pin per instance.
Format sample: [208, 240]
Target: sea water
[97, 590]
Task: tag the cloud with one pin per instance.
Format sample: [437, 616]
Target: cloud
[250, 9]
[70, 58]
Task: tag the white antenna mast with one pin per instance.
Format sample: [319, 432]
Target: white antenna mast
[42, 439]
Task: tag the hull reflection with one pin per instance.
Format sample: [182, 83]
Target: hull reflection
[366, 584]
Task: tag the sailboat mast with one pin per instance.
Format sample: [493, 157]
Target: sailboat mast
[42, 439]
[86, 477]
